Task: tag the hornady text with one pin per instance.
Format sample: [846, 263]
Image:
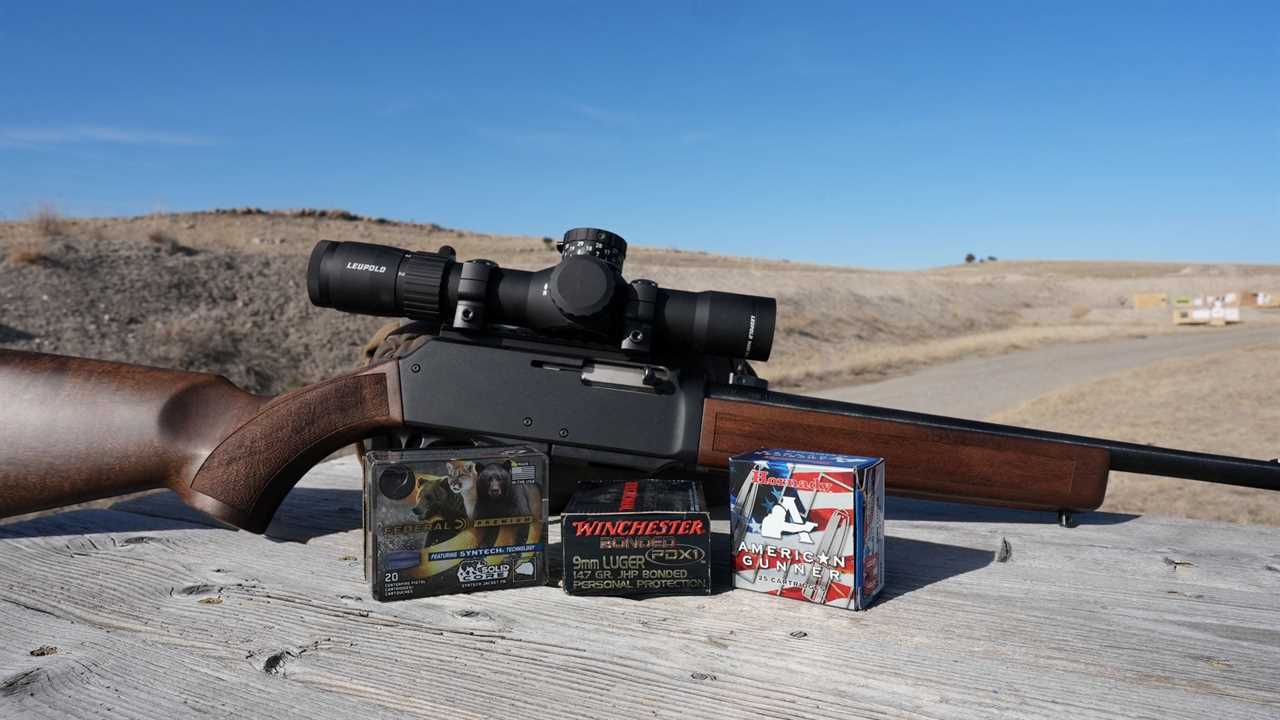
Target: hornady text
[820, 484]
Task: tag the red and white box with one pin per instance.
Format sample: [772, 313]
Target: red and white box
[808, 526]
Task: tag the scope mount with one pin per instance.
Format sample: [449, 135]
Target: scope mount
[587, 306]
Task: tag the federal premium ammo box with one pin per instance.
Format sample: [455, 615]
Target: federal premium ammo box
[808, 526]
[456, 520]
[637, 537]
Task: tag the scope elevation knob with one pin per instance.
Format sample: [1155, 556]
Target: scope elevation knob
[595, 242]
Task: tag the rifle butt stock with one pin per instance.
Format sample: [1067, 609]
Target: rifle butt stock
[74, 429]
[922, 461]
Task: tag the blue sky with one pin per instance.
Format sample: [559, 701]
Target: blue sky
[886, 135]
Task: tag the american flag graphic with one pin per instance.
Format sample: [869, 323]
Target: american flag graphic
[817, 565]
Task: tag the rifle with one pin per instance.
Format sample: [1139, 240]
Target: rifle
[573, 358]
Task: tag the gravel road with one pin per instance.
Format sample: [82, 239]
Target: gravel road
[976, 389]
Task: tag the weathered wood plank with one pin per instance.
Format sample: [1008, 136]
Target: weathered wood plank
[157, 613]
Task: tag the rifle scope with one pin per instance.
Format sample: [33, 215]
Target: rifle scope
[584, 296]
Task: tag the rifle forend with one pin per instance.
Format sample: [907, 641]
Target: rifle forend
[924, 461]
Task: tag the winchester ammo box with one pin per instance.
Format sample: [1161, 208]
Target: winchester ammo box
[637, 537]
[808, 526]
[457, 520]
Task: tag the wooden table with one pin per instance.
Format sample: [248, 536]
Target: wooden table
[155, 612]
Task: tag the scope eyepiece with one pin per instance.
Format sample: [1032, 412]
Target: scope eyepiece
[583, 296]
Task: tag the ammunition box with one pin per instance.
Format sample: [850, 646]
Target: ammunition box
[808, 526]
[637, 537]
[457, 520]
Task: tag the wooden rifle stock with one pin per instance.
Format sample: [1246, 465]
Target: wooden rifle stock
[921, 461]
[73, 430]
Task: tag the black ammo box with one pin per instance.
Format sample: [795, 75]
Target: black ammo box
[637, 537]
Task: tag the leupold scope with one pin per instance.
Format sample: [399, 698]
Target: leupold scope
[583, 296]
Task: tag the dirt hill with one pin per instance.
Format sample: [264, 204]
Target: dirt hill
[224, 292]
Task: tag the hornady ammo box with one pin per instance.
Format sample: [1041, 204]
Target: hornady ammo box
[457, 520]
[808, 526]
[637, 537]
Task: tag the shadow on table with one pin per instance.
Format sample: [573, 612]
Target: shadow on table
[88, 521]
[914, 564]
[909, 509]
[10, 334]
[306, 513]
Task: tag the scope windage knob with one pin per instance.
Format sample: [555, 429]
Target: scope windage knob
[583, 289]
[595, 242]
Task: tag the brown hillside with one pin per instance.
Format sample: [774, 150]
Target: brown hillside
[224, 291]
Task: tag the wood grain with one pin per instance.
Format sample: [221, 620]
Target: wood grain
[156, 614]
[250, 471]
[921, 461]
[75, 429]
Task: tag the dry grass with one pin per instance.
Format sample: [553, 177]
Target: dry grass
[48, 222]
[28, 252]
[862, 363]
[195, 340]
[169, 243]
[32, 247]
[1109, 269]
[1167, 404]
[207, 339]
[836, 324]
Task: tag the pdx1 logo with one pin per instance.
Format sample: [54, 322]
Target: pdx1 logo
[675, 555]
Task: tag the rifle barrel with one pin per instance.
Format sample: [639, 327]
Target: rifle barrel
[1124, 456]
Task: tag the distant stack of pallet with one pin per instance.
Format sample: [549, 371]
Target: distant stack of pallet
[1190, 311]
[1146, 301]
[1264, 300]
[1201, 310]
